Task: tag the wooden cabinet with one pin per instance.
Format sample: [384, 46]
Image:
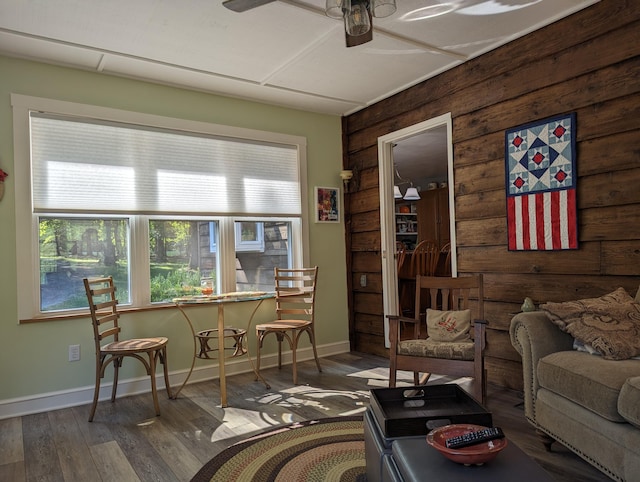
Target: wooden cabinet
[433, 216]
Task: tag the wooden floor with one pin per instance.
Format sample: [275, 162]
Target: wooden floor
[125, 442]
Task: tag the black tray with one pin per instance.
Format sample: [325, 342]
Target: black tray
[409, 411]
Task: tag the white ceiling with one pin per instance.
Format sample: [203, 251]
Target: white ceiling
[285, 53]
[422, 159]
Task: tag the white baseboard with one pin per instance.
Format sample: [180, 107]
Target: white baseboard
[44, 402]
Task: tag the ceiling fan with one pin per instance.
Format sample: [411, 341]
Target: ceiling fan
[244, 5]
[357, 14]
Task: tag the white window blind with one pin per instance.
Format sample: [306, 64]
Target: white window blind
[81, 165]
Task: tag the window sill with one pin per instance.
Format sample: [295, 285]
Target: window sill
[85, 314]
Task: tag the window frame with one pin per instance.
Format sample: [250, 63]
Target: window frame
[241, 246]
[27, 237]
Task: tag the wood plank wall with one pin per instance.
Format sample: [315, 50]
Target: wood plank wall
[588, 63]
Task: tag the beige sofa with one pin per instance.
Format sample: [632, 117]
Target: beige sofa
[584, 401]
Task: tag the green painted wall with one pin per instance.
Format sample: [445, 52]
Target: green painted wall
[33, 357]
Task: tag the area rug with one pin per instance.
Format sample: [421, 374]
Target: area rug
[330, 449]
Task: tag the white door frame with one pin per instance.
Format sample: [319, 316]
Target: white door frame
[387, 210]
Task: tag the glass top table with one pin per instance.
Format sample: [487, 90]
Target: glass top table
[220, 300]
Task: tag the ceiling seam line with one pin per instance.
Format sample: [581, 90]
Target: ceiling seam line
[387, 33]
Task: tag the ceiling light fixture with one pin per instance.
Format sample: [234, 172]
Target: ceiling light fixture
[410, 195]
[358, 16]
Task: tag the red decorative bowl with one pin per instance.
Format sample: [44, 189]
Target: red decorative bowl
[472, 455]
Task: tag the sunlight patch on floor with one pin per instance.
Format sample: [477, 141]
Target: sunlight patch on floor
[238, 421]
[379, 378]
[308, 396]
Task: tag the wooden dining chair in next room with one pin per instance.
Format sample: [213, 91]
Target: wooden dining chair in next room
[295, 313]
[101, 294]
[424, 259]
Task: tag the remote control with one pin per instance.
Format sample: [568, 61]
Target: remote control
[474, 438]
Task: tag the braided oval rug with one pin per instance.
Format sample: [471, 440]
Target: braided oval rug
[330, 449]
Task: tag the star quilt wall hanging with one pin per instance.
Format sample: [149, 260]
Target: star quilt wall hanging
[541, 178]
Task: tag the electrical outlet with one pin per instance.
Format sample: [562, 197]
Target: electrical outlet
[74, 352]
[363, 280]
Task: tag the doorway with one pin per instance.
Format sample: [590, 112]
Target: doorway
[387, 178]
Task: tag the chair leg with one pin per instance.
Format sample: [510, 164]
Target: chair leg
[96, 392]
[116, 370]
[294, 349]
[312, 339]
[280, 338]
[163, 360]
[152, 374]
[392, 371]
[259, 338]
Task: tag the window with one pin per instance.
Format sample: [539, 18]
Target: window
[160, 204]
[249, 236]
[73, 248]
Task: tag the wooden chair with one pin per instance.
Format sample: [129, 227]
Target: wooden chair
[421, 354]
[295, 311]
[424, 259]
[424, 262]
[445, 259]
[101, 294]
[401, 254]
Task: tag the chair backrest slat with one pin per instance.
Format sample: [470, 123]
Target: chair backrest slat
[295, 293]
[101, 295]
[424, 259]
[109, 332]
[101, 305]
[106, 317]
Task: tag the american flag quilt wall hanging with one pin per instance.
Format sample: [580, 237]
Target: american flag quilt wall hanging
[541, 185]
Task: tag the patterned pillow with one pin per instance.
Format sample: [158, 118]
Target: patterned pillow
[448, 325]
[610, 324]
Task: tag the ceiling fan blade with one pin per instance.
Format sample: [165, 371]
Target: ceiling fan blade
[355, 40]
[244, 5]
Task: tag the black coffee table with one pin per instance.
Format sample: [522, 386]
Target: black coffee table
[413, 460]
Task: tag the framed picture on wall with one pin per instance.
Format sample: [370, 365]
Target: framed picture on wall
[327, 204]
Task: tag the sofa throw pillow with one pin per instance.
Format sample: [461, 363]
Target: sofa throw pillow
[610, 323]
[448, 325]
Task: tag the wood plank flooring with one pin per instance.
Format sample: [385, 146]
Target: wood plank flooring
[127, 443]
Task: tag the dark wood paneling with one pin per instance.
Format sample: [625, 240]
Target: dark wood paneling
[621, 258]
[367, 241]
[483, 204]
[609, 153]
[588, 63]
[369, 324]
[541, 288]
[614, 222]
[362, 222]
[369, 303]
[372, 344]
[481, 232]
[365, 201]
[506, 373]
[610, 189]
[372, 281]
[586, 260]
[366, 262]
[499, 346]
